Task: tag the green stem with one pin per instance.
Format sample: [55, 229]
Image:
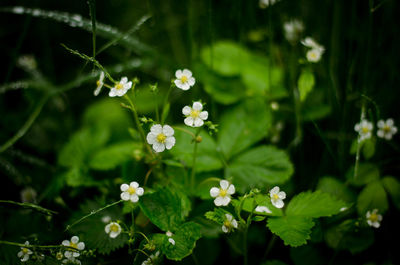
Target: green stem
[185, 131]
[92, 213]
[362, 116]
[30, 206]
[193, 173]
[35, 246]
[248, 222]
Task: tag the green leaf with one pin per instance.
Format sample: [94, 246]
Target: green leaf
[305, 83]
[314, 204]
[274, 262]
[336, 188]
[373, 196]
[261, 200]
[260, 166]
[77, 177]
[225, 57]
[207, 156]
[114, 155]
[163, 208]
[218, 215]
[392, 187]
[243, 126]
[293, 230]
[366, 173]
[185, 237]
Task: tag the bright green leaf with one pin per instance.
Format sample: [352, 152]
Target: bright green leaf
[305, 83]
[293, 230]
[373, 196]
[314, 204]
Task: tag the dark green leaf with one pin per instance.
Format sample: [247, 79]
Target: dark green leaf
[373, 196]
[392, 187]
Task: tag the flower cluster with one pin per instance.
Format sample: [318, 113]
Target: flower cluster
[316, 50]
[118, 90]
[386, 129]
[25, 252]
[161, 137]
[131, 192]
[266, 3]
[292, 30]
[195, 116]
[229, 224]
[223, 194]
[74, 246]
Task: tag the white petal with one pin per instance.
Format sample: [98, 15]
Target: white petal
[187, 73]
[107, 228]
[172, 241]
[225, 229]
[224, 184]
[189, 121]
[134, 198]
[228, 217]
[81, 246]
[20, 254]
[388, 136]
[124, 187]
[112, 92]
[178, 74]
[75, 254]
[185, 86]
[156, 129]
[124, 80]
[139, 191]
[225, 200]
[380, 133]
[125, 196]
[178, 83]
[218, 201]
[114, 234]
[376, 224]
[151, 138]
[381, 124]
[262, 209]
[191, 81]
[167, 130]
[197, 106]
[65, 243]
[214, 192]
[203, 115]
[134, 184]
[282, 195]
[74, 239]
[25, 258]
[234, 223]
[389, 122]
[231, 189]
[198, 122]
[277, 203]
[357, 127]
[128, 85]
[158, 147]
[186, 110]
[274, 190]
[68, 254]
[169, 142]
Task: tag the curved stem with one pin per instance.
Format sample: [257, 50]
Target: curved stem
[35, 246]
[147, 176]
[185, 131]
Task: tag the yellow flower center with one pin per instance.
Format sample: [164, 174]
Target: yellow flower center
[25, 250]
[161, 138]
[313, 55]
[365, 130]
[184, 79]
[227, 223]
[275, 197]
[373, 217]
[119, 86]
[223, 192]
[73, 245]
[98, 83]
[194, 114]
[131, 190]
[386, 129]
[114, 228]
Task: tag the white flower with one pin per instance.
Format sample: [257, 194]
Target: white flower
[161, 137]
[277, 197]
[314, 55]
[131, 192]
[195, 117]
[151, 259]
[184, 79]
[120, 88]
[293, 29]
[222, 195]
[170, 239]
[364, 129]
[262, 209]
[113, 229]
[266, 3]
[311, 43]
[386, 129]
[24, 253]
[106, 219]
[373, 218]
[74, 243]
[229, 223]
[99, 84]
[72, 260]
[28, 195]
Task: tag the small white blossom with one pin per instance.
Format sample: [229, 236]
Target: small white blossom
[120, 88]
[150, 260]
[27, 62]
[222, 195]
[25, 252]
[195, 117]
[386, 129]
[229, 223]
[170, 239]
[364, 129]
[266, 3]
[316, 50]
[161, 137]
[99, 84]
[74, 243]
[28, 195]
[106, 219]
[262, 209]
[113, 229]
[373, 218]
[72, 260]
[131, 192]
[184, 79]
[277, 197]
[293, 30]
